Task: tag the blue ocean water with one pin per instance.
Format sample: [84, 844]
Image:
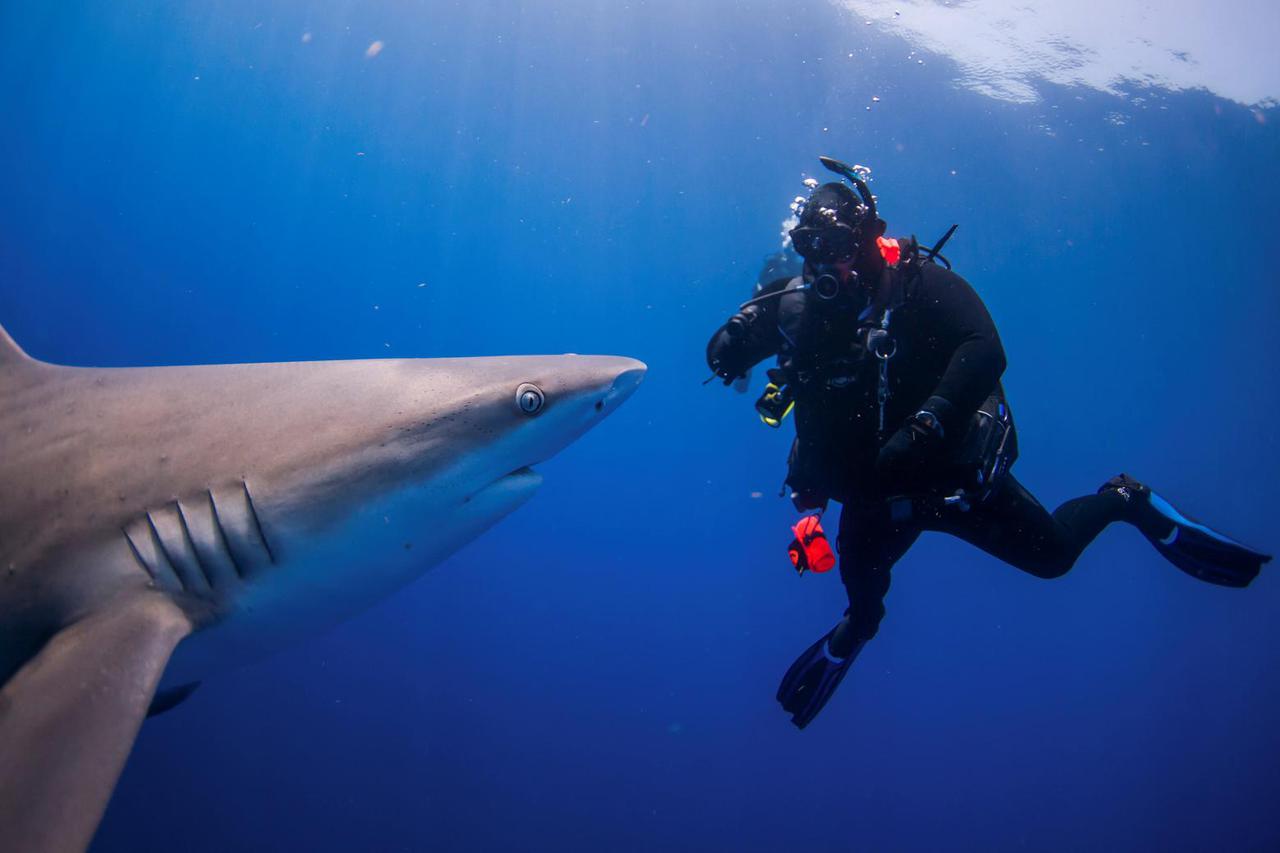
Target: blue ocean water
[228, 181]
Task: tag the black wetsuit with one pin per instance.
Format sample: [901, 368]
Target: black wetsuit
[946, 347]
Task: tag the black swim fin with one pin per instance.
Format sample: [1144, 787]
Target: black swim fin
[1192, 546]
[812, 679]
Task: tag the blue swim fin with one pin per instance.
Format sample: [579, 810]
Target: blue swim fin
[1192, 546]
[812, 679]
[1203, 552]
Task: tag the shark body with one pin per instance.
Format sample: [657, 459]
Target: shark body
[160, 524]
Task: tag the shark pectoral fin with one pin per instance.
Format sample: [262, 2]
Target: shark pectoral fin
[167, 700]
[69, 717]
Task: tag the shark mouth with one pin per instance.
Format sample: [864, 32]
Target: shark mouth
[520, 480]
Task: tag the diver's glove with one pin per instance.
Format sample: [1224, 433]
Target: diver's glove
[725, 349]
[809, 500]
[911, 449]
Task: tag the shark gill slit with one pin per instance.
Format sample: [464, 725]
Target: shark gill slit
[133, 549]
[222, 536]
[253, 513]
[163, 563]
[163, 553]
[191, 545]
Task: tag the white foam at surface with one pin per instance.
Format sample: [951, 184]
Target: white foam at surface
[1004, 48]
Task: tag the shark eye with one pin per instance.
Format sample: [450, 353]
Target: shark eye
[530, 398]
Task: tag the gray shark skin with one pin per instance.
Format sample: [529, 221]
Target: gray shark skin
[161, 524]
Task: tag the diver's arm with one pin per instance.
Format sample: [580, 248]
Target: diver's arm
[749, 337]
[961, 325]
[730, 356]
[977, 356]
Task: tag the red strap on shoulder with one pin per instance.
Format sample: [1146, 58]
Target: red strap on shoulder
[889, 250]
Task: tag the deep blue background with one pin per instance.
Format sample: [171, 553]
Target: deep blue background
[192, 182]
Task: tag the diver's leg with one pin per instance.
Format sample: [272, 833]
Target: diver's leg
[1013, 526]
[869, 544]
[869, 547]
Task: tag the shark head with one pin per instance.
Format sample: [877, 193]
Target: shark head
[422, 457]
[454, 431]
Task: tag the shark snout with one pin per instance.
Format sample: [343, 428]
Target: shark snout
[628, 374]
[588, 390]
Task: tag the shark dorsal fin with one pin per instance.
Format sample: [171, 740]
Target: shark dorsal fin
[10, 352]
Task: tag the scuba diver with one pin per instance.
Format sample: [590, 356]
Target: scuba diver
[892, 366]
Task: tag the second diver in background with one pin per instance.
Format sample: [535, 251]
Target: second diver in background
[893, 367]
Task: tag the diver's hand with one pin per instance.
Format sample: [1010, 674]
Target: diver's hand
[726, 374]
[809, 500]
[724, 356]
[909, 450]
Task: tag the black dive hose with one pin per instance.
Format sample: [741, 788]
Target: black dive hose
[757, 299]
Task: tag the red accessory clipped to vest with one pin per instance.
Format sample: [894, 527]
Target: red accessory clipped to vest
[810, 550]
[889, 250]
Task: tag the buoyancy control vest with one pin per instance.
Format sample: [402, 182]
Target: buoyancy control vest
[838, 361]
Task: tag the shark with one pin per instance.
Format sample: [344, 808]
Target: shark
[161, 524]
